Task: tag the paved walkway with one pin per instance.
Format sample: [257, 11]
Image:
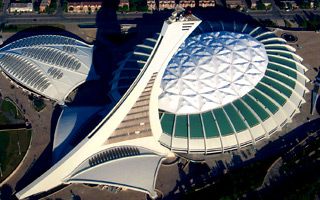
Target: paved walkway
[40, 128]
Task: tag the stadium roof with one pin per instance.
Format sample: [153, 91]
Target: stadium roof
[210, 70]
[252, 92]
[50, 65]
[227, 86]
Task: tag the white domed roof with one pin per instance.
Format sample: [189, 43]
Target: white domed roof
[210, 70]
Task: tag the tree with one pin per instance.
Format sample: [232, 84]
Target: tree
[282, 5]
[303, 23]
[52, 7]
[138, 5]
[314, 23]
[124, 8]
[304, 5]
[65, 5]
[316, 3]
[36, 8]
[260, 5]
[287, 24]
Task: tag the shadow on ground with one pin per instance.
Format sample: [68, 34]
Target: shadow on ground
[318, 106]
[40, 30]
[216, 175]
[89, 94]
[40, 165]
[6, 192]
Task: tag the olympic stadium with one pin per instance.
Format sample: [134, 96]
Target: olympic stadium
[197, 87]
[229, 85]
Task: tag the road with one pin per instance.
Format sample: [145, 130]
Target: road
[277, 13]
[86, 18]
[60, 17]
[280, 14]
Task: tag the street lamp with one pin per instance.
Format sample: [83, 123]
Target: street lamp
[1, 171]
[19, 148]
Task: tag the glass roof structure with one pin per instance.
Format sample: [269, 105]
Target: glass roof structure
[210, 70]
[243, 113]
[49, 65]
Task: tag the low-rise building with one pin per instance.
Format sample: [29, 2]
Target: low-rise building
[267, 3]
[171, 4]
[167, 4]
[288, 5]
[187, 3]
[76, 6]
[21, 7]
[43, 5]
[235, 3]
[151, 4]
[207, 3]
[124, 3]
[253, 4]
[261, 4]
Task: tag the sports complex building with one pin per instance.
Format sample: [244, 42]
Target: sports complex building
[48, 65]
[196, 88]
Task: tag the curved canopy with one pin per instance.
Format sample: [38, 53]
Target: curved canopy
[50, 65]
[138, 168]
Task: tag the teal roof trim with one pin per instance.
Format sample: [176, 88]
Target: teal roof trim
[210, 125]
[282, 78]
[283, 54]
[196, 130]
[277, 48]
[264, 100]
[288, 63]
[181, 128]
[223, 122]
[263, 115]
[282, 89]
[167, 122]
[235, 118]
[275, 41]
[283, 70]
[272, 94]
[246, 113]
[266, 36]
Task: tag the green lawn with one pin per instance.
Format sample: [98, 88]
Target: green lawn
[8, 107]
[9, 149]
[3, 119]
[38, 104]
